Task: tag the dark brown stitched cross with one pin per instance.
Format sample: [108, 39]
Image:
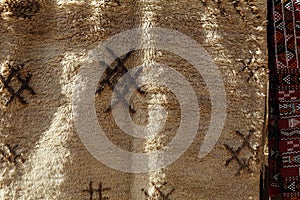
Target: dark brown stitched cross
[243, 163]
[162, 195]
[221, 8]
[110, 76]
[252, 71]
[14, 73]
[115, 1]
[9, 154]
[100, 191]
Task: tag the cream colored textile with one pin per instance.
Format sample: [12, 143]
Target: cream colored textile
[46, 43]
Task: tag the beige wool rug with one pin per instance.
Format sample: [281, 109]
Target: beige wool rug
[45, 49]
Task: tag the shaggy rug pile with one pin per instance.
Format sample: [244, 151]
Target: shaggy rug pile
[45, 48]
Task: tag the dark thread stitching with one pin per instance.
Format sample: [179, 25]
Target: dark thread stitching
[100, 191]
[9, 154]
[204, 3]
[162, 195]
[236, 5]
[22, 9]
[253, 8]
[221, 8]
[14, 73]
[110, 73]
[240, 8]
[243, 163]
[252, 72]
[114, 1]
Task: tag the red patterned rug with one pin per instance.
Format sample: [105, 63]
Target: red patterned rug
[284, 98]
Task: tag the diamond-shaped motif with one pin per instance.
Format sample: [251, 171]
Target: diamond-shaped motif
[292, 186]
[277, 16]
[287, 79]
[280, 26]
[279, 36]
[281, 65]
[290, 27]
[14, 75]
[289, 55]
[289, 6]
[288, 37]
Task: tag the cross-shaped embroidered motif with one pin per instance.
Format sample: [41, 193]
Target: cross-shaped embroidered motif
[242, 162]
[10, 155]
[110, 78]
[158, 189]
[100, 191]
[14, 73]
